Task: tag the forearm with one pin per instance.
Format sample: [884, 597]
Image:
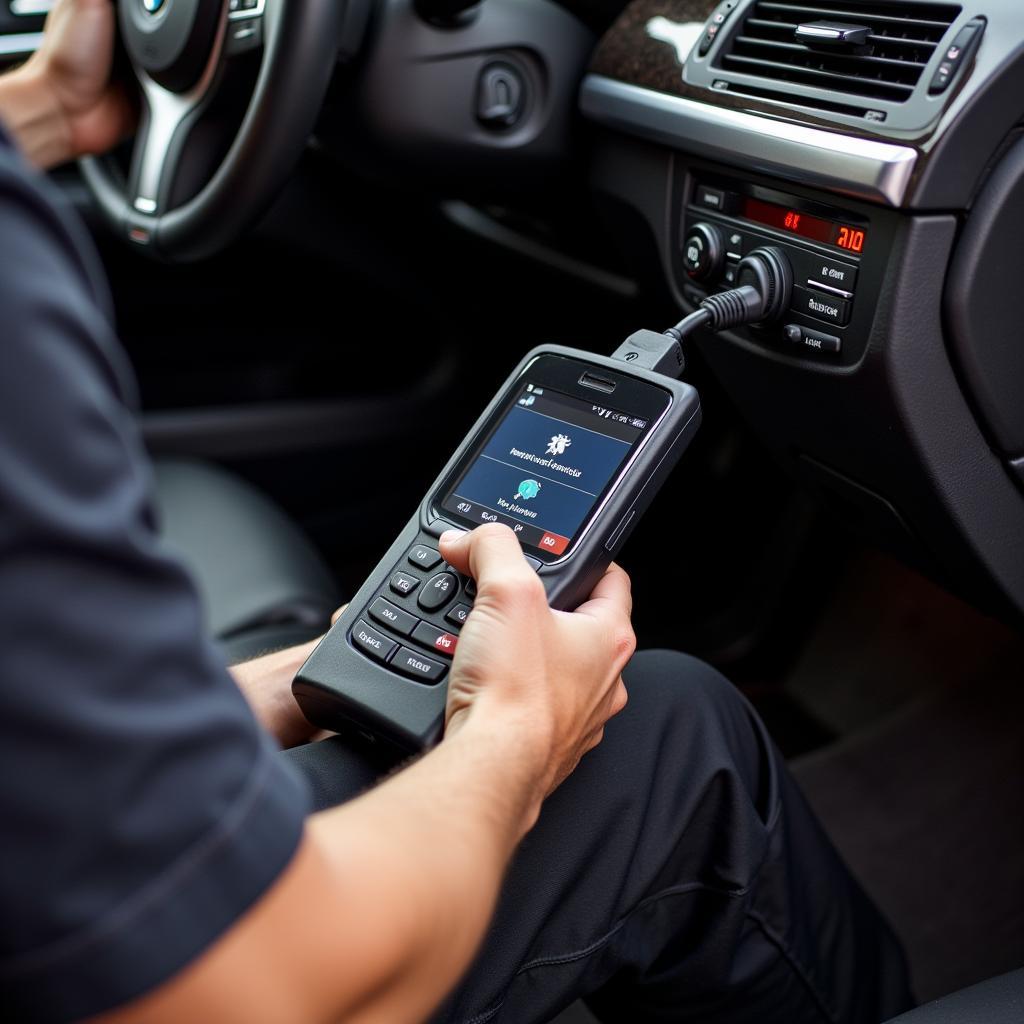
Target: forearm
[419, 863]
[33, 116]
[265, 683]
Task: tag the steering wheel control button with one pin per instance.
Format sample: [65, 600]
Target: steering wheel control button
[424, 557]
[829, 308]
[438, 590]
[404, 584]
[500, 96]
[244, 36]
[814, 340]
[457, 616]
[367, 639]
[419, 666]
[394, 618]
[702, 251]
[430, 636]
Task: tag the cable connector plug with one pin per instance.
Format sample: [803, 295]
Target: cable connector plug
[661, 353]
[734, 308]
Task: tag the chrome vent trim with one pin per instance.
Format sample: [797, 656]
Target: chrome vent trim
[903, 37]
[863, 168]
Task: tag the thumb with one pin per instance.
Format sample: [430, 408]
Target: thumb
[487, 553]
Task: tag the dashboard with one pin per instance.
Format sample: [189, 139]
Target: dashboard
[879, 146]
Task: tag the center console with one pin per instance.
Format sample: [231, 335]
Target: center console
[837, 254]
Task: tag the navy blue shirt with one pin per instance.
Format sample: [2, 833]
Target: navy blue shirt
[142, 808]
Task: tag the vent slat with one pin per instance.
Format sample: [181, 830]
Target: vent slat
[829, 79]
[800, 51]
[903, 38]
[855, 15]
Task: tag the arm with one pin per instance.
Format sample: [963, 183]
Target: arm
[390, 895]
[265, 683]
[61, 104]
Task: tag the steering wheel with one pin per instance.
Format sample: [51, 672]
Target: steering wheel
[182, 52]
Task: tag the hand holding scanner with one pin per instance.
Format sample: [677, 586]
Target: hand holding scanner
[568, 454]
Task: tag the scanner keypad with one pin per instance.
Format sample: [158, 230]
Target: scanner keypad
[412, 623]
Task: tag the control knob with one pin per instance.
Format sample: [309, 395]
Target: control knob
[702, 251]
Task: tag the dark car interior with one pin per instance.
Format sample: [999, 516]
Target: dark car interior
[332, 239]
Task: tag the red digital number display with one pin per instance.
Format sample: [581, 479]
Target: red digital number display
[850, 238]
[817, 229]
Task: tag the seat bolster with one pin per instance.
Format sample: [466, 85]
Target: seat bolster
[252, 565]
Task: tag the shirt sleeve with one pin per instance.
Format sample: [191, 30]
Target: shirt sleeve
[142, 808]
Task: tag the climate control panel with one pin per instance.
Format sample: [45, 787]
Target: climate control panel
[825, 247]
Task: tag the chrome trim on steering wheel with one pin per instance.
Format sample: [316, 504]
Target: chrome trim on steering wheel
[167, 112]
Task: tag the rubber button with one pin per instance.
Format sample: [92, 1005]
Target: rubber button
[430, 636]
[419, 666]
[457, 615]
[403, 583]
[424, 557]
[438, 590]
[376, 645]
[394, 618]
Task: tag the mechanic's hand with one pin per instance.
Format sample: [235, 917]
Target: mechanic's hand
[553, 676]
[73, 65]
[266, 682]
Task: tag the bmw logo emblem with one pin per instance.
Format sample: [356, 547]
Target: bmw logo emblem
[153, 6]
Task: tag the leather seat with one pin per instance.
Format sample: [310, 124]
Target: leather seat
[263, 584]
[996, 1001]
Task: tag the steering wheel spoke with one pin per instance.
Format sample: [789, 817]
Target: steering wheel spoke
[159, 143]
[202, 170]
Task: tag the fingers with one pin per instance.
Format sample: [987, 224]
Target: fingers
[610, 606]
[492, 556]
[613, 592]
[338, 614]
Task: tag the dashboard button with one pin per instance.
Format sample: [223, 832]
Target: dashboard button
[942, 77]
[822, 270]
[438, 590]
[712, 198]
[440, 640]
[394, 618]
[376, 645]
[821, 306]
[419, 666]
[814, 340]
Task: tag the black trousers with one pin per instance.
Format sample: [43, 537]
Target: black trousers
[677, 875]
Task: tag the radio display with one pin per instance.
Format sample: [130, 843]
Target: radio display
[817, 229]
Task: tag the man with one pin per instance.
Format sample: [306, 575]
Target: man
[161, 862]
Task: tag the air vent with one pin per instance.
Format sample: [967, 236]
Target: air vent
[902, 39]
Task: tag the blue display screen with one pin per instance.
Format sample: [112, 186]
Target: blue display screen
[544, 468]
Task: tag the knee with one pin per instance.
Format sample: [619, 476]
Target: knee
[689, 709]
[665, 682]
